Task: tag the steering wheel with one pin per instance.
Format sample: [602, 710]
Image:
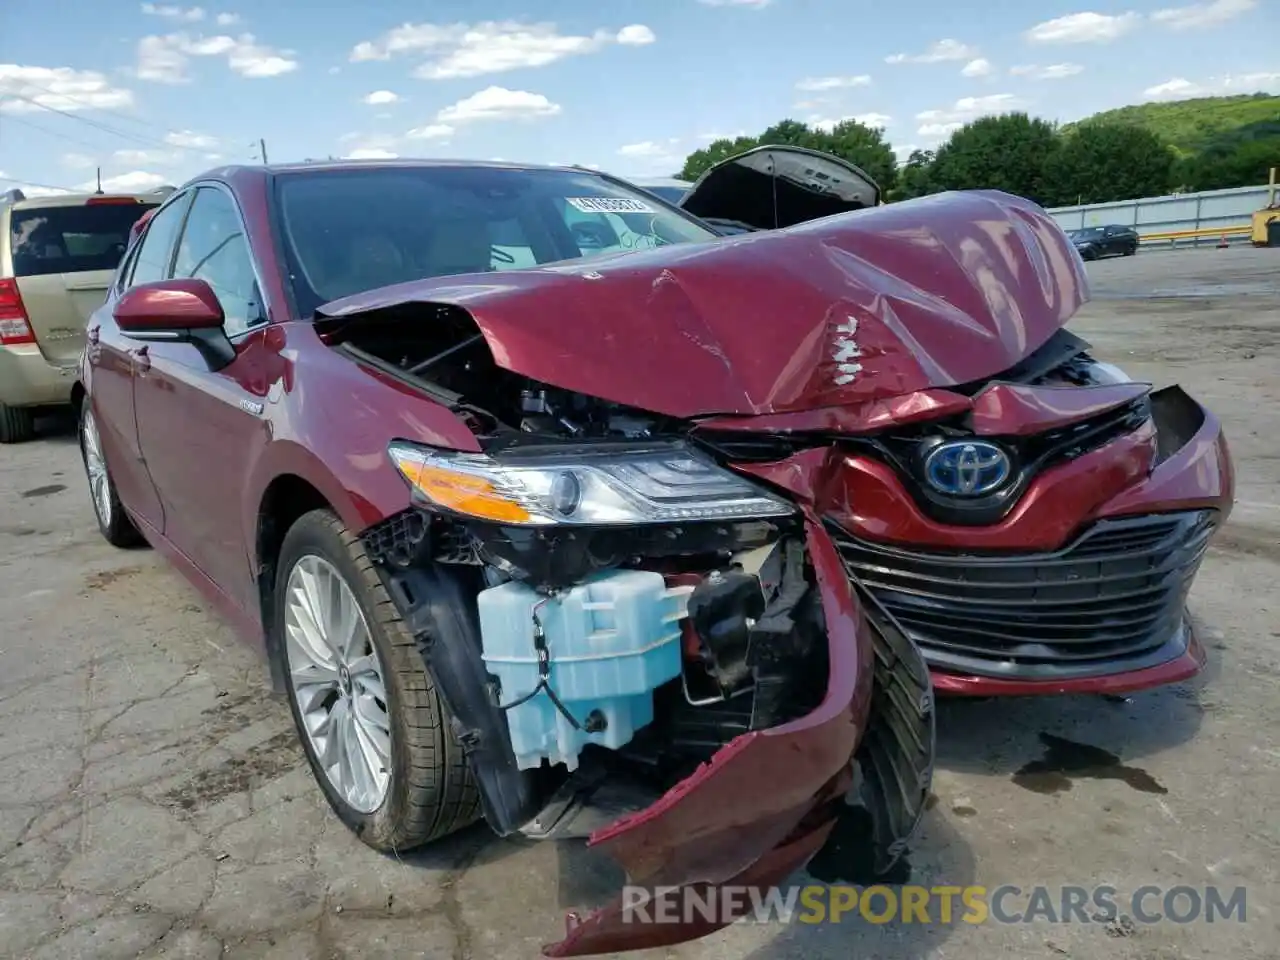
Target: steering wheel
[501, 255]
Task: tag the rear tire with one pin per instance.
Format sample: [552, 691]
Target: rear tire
[17, 424]
[428, 790]
[114, 524]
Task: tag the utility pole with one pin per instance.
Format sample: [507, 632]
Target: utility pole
[99, 190]
[262, 145]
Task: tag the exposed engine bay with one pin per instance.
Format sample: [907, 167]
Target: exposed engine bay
[615, 659]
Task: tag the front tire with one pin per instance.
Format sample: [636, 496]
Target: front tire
[17, 424]
[373, 728]
[114, 524]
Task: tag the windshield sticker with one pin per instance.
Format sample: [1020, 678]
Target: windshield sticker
[609, 205]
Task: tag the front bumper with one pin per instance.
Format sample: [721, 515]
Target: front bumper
[27, 379]
[760, 808]
[1081, 588]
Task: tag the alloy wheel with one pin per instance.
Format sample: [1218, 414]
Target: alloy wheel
[337, 682]
[95, 465]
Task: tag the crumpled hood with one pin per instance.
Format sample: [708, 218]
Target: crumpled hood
[928, 293]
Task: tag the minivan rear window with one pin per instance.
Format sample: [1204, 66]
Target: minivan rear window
[46, 240]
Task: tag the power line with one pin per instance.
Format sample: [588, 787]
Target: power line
[52, 133]
[145, 141]
[32, 183]
[94, 106]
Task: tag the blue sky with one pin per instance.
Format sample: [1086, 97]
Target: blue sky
[154, 93]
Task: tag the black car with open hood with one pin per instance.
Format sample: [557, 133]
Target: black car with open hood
[775, 186]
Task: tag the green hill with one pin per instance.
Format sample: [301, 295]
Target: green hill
[1191, 126]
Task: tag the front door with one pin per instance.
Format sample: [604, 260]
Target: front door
[198, 428]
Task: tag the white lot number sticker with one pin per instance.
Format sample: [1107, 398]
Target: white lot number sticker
[609, 205]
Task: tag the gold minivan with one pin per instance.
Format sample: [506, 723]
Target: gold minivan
[58, 255]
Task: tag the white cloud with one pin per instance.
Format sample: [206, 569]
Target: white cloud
[472, 50]
[635, 35]
[937, 131]
[164, 59]
[227, 19]
[1203, 14]
[187, 14]
[379, 97]
[190, 140]
[902, 151]
[873, 120]
[1085, 27]
[1180, 88]
[819, 84]
[143, 158]
[76, 161]
[942, 122]
[135, 181]
[432, 131]
[646, 148]
[753, 4]
[370, 153]
[60, 88]
[1054, 71]
[498, 103]
[940, 52]
[980, 67]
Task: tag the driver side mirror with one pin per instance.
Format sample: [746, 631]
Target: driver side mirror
[176, 311]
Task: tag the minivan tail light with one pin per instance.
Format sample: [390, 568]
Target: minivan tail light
[14, 326]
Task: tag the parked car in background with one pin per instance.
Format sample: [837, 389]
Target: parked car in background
[57, 257]
[670, 189]
[770, 187]
[649, 536]
[1093, 243]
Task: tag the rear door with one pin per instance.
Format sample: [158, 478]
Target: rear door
[115, 358]
[64, 259]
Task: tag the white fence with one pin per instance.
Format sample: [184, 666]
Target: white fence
[1200, 218]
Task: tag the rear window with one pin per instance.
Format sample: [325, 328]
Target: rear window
[71, 239]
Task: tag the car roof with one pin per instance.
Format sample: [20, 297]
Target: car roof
[250, 173]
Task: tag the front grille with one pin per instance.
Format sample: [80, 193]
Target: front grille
[1110, 601]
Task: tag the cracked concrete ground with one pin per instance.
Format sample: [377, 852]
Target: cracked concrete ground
[155, 804]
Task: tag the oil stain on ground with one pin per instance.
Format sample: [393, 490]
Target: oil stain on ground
[45, 490]
[1065, 760]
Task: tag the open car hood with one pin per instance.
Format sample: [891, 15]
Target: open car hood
[770, 187]
[844, 312]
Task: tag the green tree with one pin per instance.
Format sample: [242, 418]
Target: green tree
[1243, 164]
[915, 178]
[1008, 152]
[1101, 162]
[864, 147]
[700, 161]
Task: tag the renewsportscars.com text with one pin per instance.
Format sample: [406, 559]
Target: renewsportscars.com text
[1005, 904]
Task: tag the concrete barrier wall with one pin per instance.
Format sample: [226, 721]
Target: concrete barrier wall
[1185, 219]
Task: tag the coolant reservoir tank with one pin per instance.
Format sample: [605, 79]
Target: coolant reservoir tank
[610, 641]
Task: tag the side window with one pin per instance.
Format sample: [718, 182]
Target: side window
[152, 260]
[214, 249]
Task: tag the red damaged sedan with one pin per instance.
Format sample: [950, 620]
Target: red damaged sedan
[551, 505]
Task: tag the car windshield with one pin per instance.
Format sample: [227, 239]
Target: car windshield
[346, 231]
[71, 239]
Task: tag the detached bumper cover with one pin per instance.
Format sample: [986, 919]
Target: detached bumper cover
[760, 808]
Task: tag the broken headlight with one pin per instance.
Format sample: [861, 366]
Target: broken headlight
[630, 485]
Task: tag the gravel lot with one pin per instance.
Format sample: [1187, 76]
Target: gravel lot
[155, 803]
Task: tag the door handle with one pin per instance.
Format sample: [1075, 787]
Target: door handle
[141, 359]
